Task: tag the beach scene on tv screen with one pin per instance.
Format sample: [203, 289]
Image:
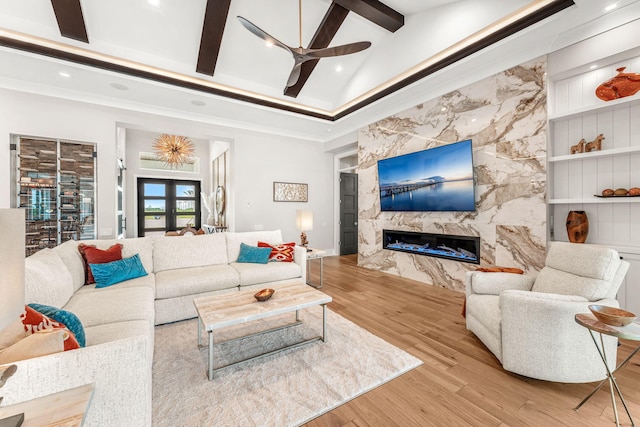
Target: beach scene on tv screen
[437, 179]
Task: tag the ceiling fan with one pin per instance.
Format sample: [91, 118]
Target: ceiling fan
[300, 54]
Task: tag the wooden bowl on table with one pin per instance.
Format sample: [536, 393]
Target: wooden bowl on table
[263, 294]
[612, 316]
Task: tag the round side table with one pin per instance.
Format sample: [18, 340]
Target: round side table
[629, 332]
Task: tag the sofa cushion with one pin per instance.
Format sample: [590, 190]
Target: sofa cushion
[100, 306]
[583, 260]
[142, 246]
[195, 280]
[253, 274]
[253, 254]
[110, 273]
[118, 330]
[554, 281]
[92, 255]
[249, 238]
[74, 262]
[188, 251]
[47, 280]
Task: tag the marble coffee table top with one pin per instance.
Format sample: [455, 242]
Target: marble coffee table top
[219, 311]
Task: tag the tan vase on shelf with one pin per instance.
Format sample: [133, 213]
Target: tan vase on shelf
[577, 226]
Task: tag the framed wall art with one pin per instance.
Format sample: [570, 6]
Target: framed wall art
[290, 192]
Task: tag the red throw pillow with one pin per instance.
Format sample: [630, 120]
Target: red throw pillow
[92, 255]
[282, 252]
[35, 321]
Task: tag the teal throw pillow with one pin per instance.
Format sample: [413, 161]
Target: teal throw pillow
[252, 254]
[110, 273]
[67, 318]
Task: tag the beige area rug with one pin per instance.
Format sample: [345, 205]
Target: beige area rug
[285, 389]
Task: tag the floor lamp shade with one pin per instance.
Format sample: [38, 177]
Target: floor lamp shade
[11, 265]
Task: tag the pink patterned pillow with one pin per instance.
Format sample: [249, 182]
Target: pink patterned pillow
[282, 252]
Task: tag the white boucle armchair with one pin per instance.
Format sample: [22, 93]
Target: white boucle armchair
[528, 322]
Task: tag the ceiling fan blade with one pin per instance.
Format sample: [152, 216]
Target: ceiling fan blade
[263, 34]
[295, 74]
[344, 49]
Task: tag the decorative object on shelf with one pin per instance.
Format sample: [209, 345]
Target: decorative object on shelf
[620, 192]
[264, 294]
[209, 203]
[612, 316]
[290, 192]
[620, 86]
[579, 147]
[173, 150]
[596, 144]
[304, 223]
[577, 226]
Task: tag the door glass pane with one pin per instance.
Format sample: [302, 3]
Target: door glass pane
[185, 206]
[185, 190]
[154, 206]
[158, 190]
[155, 221]
[185, 220]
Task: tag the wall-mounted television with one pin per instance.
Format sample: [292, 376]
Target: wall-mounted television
[436, 179]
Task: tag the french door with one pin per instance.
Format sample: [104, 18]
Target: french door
[167, 205]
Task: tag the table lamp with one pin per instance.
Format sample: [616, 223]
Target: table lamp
[11, 282]
[304, 222]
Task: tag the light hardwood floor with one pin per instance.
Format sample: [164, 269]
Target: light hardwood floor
[460, 383]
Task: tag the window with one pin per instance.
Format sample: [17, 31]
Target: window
[167, 205]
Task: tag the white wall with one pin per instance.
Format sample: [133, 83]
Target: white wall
[256, 160]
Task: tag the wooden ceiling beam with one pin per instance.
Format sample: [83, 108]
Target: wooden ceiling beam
[328, 28]
[215, 19]
[376, 12]
[70, 19]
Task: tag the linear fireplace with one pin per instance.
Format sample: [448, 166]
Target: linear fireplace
[459, 248]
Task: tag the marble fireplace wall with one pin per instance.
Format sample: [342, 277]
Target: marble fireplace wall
[505, 116]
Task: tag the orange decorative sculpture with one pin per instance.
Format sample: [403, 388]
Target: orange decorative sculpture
[577, 226]
[579, 147]
[624, 84]
[596, 144]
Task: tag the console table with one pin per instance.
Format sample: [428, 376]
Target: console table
[66, 408]
[315, 254]
[629, 332]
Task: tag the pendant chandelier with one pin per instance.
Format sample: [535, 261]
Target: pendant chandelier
[173, 150]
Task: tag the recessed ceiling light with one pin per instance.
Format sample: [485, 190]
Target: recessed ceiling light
[64, 74]
[118, 86]
[593, 67]
[611, 7]
[443, 109]
[154, 2]
[338, 68]
[198, 103]
[473, 120]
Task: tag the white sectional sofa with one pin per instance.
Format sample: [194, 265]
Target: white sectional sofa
[119, 319]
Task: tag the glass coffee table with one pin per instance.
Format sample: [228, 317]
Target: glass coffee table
[221, 311]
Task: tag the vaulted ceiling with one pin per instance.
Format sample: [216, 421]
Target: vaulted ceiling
[196, 56]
